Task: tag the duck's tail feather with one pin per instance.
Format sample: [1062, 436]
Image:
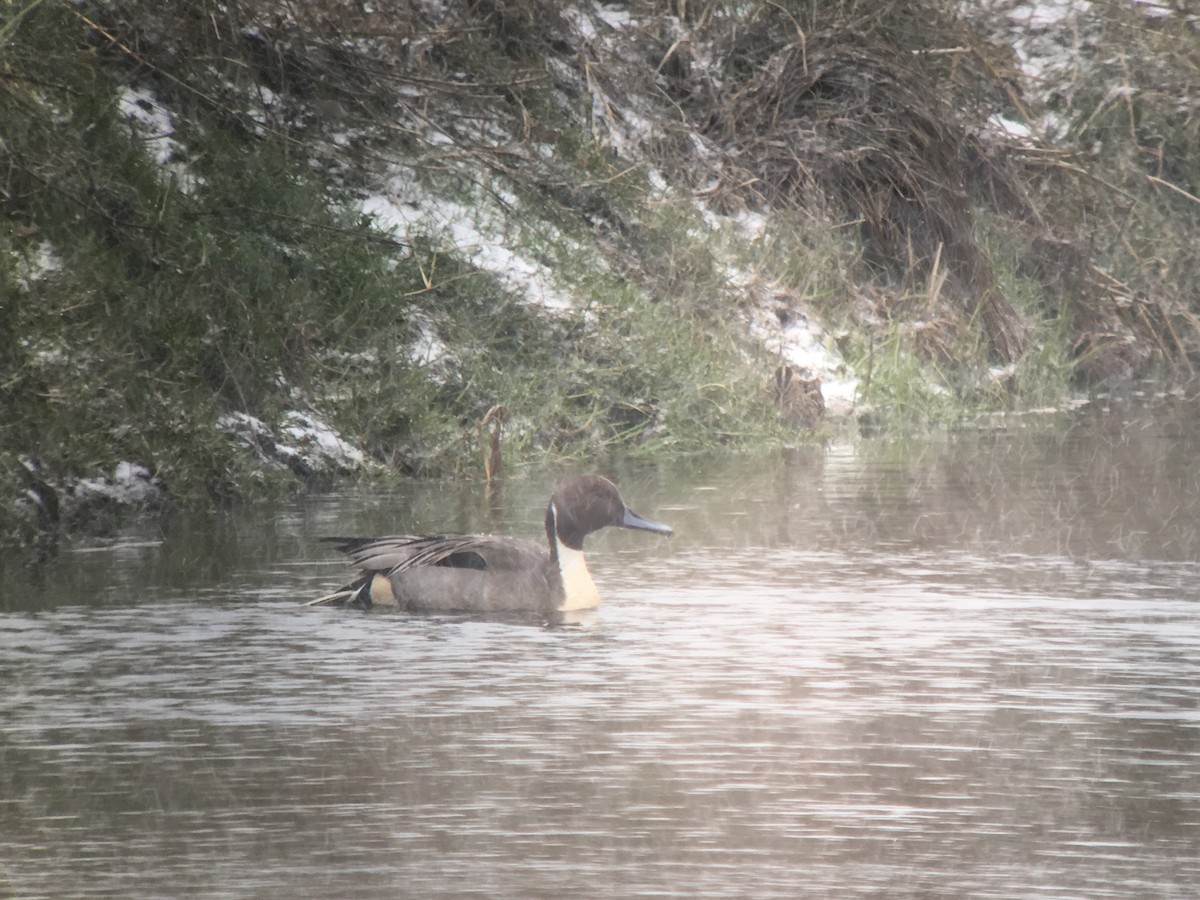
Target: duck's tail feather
[356, 594]
[347, 544]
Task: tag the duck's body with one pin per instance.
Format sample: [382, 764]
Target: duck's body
[433, 572]
[491, 573]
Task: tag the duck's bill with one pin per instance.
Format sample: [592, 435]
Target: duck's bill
[633, 520]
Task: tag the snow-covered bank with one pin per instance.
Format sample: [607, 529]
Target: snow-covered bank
[285, 244]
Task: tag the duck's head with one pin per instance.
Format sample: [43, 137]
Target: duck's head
[587, 503]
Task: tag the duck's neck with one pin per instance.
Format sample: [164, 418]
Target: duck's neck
[579, 591]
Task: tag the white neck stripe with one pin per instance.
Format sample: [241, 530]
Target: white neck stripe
[579, 591]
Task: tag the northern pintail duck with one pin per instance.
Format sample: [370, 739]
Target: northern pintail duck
[490, 573]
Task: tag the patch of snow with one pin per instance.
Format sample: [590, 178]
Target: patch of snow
[751, 226]
[638, 130]
[656, 181]
[803, 343]
[363, 360]
[712, 220]
[1051, 40]
[590, 22]
[614, 16]
[428, 347]
[244, 425]
[156, 129]
[130, 484]
[466, 231]
[1043, 32]
[36, 264]
[1152, 10]
[700, 146]
[303, 442]
[1053, 126]
[260, 108]
[1006, 127]
[267, 97]
[317, 444]
[582, 21]
[999, 373]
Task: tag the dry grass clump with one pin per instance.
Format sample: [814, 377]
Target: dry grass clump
[1119, 204]
[875, 118]
[846, 122]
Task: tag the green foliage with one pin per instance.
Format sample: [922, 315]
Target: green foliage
[171, 303]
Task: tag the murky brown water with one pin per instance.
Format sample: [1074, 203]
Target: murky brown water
[961, 667]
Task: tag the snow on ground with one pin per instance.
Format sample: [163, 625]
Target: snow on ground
[154, 126]
[302, 442]
[428, 348]
[317, 444]
[806, 345]
[1053, 41]
[591, 22]
[1153, 10]
[36, 264]
[129, 483]
[1014, 131]
[1045, 34]
[475, 232]
[781, 324]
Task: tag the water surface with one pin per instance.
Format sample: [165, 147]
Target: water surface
[962, 666]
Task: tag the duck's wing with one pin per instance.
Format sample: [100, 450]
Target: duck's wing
[399, 552]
